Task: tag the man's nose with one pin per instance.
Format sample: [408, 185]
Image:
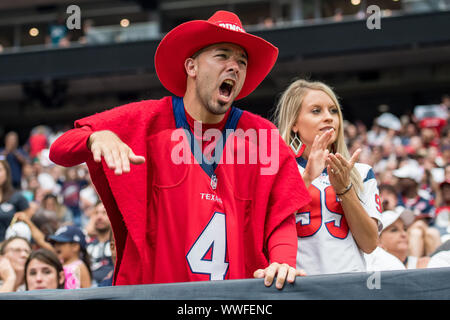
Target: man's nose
[233, 66]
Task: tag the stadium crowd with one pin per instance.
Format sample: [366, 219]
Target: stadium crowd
[55, 233]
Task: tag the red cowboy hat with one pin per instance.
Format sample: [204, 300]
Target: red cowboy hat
[186, 39]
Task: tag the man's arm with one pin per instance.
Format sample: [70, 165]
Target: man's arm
[78, 145]
[282, 247]
[71, 149]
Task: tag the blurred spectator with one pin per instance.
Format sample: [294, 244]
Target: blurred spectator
[99, 248]
[37, 141]
[338, 16]
[433, 117]
[410, 176]
[445, 101]
[70, 245]
[48, 183]
[15, 156]
[443, 202]
[385, 127]
[13, 255]
[11, 201]
[415, 144]
[392, 250]
[389, 197]
[409, 131]
[387, 177]
[108, 280]
[51, 203]
[58, 34]
[43, 270]
[88, 200]
[87, 25]
[388, 158]
[430, 138]
[28, 173]
[447, 171]
[88, 195]
[445, 154]
[71, 188]
[361, 14]
[423, 238]
[351, 133]
[267, 23]
[443, 209]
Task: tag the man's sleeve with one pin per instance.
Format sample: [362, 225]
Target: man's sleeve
[287, 195]
[70, 149]
[282, 244]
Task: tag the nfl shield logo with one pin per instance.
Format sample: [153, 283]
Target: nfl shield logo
[213, 182]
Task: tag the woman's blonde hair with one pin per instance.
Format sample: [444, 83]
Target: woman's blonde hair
[288, 109]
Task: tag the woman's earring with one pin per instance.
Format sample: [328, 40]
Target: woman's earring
[296, 141]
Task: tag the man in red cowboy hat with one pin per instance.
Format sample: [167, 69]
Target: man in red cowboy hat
[196, 219]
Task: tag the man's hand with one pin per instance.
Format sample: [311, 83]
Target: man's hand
[117, 154]
[281, 271]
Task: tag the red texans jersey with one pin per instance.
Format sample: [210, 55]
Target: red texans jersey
[196, 215]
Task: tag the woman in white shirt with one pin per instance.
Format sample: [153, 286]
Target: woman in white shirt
[342, 220]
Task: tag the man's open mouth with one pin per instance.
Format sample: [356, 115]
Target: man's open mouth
[226, 87]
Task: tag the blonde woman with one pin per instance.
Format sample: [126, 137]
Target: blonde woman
[342, 221]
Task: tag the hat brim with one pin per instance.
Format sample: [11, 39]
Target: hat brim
[59, 239]
[405, 215]
[404, 175]
[186, 39]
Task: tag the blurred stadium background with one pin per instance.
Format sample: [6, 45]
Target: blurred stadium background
[109, 61]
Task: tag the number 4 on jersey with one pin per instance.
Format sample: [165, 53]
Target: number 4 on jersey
[213, 239]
